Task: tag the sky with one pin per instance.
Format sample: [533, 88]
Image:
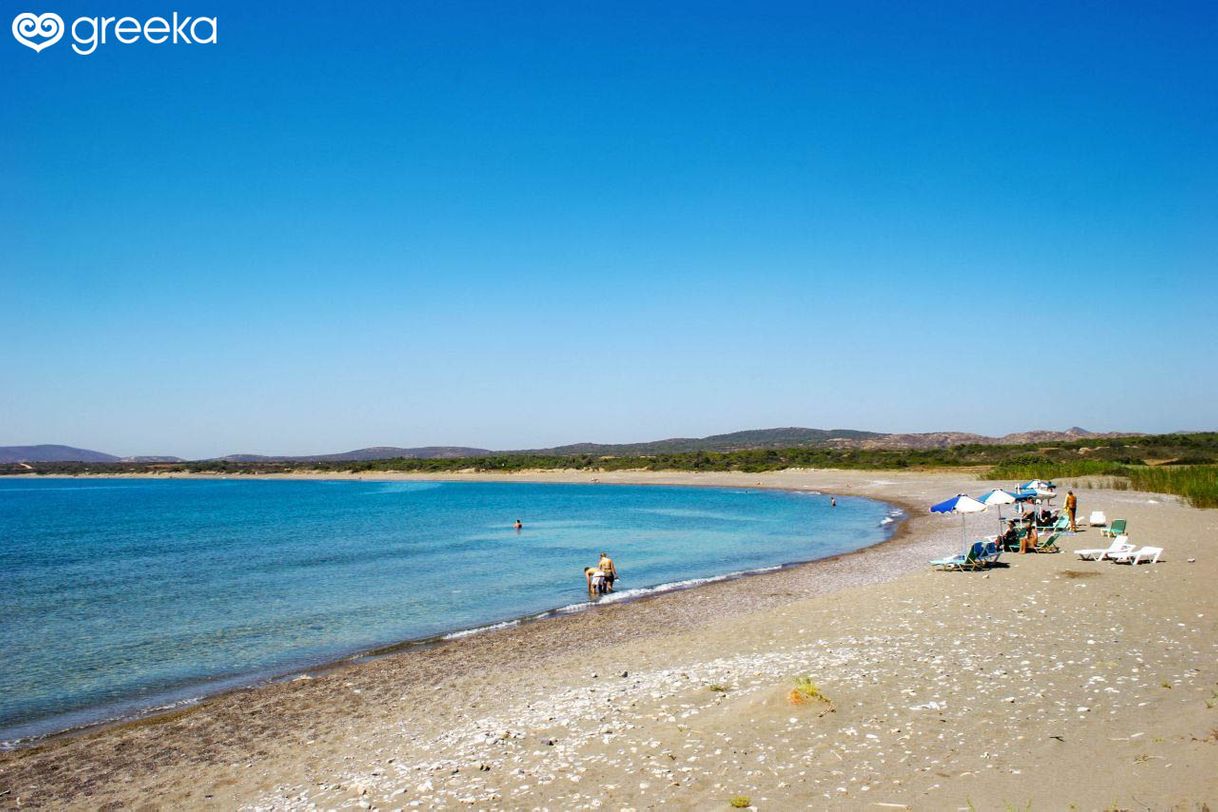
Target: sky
[514, 224]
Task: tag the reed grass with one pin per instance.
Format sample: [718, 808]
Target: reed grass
[1023, 470]
[1196, 483]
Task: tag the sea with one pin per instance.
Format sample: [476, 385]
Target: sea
[121, 597]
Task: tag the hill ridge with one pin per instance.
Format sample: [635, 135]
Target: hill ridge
[784, 437]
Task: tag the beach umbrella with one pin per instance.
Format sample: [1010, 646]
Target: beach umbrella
[997, 497]
[1042, 487]
[1023, 495]
[962, 504]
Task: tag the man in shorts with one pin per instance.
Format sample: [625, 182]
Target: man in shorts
[608, 570]
[1071, 508]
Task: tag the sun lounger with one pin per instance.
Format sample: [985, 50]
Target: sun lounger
[1150, 554]
[1120, 545]
[1048, 544]
[1115, 529]
[1059, 525]
[970, 560]
[1097, 519]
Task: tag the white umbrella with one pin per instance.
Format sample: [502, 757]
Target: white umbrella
[997, 497]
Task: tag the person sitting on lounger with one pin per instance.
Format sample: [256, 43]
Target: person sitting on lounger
[1010, 539]
[1028, 543]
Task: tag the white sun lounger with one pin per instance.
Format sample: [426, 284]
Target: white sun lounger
[1119, 545]
[1097, 519]
[1150, 554]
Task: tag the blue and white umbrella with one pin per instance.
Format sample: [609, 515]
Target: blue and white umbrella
[1043, 488]
[1025, 495]
[962, 504]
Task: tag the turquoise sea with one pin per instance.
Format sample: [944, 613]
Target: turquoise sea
[121, 596]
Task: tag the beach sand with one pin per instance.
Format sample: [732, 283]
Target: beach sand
[1049, 683]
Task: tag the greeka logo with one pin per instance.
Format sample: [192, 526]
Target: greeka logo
[39, 31]
[48, 26]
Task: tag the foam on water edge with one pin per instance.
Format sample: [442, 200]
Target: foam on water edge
[457, 635]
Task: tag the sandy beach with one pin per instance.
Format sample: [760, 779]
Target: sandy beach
[1048, 683]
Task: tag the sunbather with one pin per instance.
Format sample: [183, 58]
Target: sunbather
[1010, 539]
[1028, 543]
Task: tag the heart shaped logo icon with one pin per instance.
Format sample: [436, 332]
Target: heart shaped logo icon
[47, 26]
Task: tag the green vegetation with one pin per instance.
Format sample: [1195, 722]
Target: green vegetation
[1183, 464]
[740, 802]
[1196, 483]
[1022, 470]
[806, 690]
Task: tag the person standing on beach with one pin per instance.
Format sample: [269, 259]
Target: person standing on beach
[608, 569]
[1071, 508]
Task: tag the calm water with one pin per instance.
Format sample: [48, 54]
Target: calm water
[121, 595]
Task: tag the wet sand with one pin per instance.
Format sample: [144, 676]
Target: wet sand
[1049, 681]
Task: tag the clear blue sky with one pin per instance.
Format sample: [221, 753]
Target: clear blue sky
[520, 224]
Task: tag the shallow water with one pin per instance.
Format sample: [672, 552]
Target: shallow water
[117, 596]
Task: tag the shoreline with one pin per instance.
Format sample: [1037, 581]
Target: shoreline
[872, 625]
[236, 683]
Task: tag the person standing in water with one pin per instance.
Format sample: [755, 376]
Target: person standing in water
[608, 570]
[519, 525]
[832, 501]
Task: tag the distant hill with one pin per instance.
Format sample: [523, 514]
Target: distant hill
[791, 437]
[51, 453]
[374, 453]
[943, 439]
[738, 440]
[794, 437]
